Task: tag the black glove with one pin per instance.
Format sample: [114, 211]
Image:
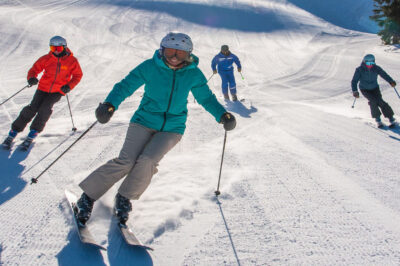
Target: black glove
[228, 120]
[356, 94]
[33, 81]
[104, 112]
[393, 84]
[65, 89]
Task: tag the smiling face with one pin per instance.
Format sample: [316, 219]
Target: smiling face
[175, 57]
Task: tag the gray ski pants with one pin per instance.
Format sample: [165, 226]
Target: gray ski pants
[138, 160]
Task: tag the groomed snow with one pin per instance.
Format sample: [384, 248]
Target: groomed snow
[306, 180]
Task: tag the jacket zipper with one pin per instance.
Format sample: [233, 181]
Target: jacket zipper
[169, 103]
[57, 71]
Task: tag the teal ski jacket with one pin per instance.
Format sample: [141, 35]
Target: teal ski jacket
[164, 103]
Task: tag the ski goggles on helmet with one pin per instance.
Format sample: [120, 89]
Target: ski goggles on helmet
[179, 54]
[370, 63]
[57, 49]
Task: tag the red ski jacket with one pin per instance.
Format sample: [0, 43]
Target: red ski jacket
[58, 71]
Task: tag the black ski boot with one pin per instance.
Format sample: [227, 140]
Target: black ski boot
[7, 142]
[28, 141]
[84, 207]
[26, 144]
[393, 122]
[379, 123]
[234, 97]
[122, 208]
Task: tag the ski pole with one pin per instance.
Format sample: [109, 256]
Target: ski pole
[210, 77]
[27, 86]
[241, 75]
[396, 92]
[217, 192]
[354, 102]
[70, 113]
[35, 180]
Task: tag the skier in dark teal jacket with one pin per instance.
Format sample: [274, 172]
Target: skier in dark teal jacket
[367, 77]
[157, 125]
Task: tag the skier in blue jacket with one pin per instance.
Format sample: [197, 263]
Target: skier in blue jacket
[367, 77]
[157, 125]
[224, 61]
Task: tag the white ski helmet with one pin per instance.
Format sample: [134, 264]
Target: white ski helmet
[369, 58]
[179, 41]
[58, 41]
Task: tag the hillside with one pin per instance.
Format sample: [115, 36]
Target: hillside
[306, 179]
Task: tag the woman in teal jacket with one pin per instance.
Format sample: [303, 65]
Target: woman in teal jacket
[156, 126]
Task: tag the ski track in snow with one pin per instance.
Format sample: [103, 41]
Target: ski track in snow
[306, 179]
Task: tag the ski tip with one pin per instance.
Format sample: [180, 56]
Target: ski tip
[71, 197]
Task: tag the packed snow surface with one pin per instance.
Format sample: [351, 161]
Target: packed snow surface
[306, 179]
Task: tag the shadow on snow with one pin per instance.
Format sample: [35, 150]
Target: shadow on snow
[77, 253]
[120, 253]
[395, 130]
[239, 108]
[252, 19]
[11, 183]
[228, 231]
[338, 13]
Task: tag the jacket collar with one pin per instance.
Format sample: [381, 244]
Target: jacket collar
[67, 53]
[226, 55]
[364, 66]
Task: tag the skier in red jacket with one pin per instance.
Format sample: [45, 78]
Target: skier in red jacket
[62, 73]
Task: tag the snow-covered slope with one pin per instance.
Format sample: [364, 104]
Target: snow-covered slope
[306, 179]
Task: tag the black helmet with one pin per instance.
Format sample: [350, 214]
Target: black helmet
[224, 48]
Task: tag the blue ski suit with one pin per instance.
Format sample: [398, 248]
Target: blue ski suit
[225, 70]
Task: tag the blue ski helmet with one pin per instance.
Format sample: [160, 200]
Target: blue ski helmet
[58, 41]
[369, 58]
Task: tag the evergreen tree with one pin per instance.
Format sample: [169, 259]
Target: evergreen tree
[387, 15]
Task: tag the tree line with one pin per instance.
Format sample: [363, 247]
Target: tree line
[387, 15]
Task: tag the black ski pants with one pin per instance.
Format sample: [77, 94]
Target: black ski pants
[41, 106]
[375, 102]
